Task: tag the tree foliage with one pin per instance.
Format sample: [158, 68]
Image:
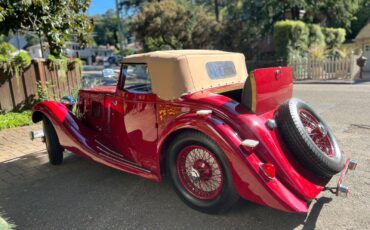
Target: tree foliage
[362, 17]
[171, 25]
[57, 20]
[238, 25]
[332, 13]
[106, 28]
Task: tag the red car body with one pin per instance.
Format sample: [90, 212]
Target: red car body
[134, 136]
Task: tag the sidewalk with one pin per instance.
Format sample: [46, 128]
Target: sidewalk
[24, 162]
[20, 158]
[15, 142]
[365, 79]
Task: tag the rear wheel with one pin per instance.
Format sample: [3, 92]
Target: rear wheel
[199, 172]
[54, 149]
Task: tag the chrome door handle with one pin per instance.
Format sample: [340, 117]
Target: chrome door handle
[114, 102]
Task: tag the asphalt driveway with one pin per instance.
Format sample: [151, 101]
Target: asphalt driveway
[81, 194]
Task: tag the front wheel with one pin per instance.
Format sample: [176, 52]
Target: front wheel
[200, 174]
[54, 149]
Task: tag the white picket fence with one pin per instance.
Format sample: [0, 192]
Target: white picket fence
[325, 69]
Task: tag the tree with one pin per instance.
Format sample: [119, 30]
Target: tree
[106, 28]
[332, 13]
[57, 20]
[362, 17]
[171, 25]
[217, 6]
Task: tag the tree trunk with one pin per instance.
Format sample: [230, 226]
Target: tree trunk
[217, 11]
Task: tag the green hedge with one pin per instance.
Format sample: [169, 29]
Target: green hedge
[291, 38]
[10, 63]
[316, 36]
[296, 39]
[334, 38]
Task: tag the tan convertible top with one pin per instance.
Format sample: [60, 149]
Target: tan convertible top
[175, 72]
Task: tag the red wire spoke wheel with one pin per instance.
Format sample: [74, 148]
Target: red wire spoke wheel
[200, 172]
[317, 131]
[308, 137]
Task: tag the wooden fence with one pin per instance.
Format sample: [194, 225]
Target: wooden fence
[325, 69]
[21, 93]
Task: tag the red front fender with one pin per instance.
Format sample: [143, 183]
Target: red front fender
[77, 138]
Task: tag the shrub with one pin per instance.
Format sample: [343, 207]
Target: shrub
[295, 39]
[42, 93]
[10, 64]
[291, 38]
[6, 49]
[59, 64]
[334, 37]
[316, 37]
[22, 59]
[11, 120]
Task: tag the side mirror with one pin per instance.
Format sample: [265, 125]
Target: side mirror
[68, 101]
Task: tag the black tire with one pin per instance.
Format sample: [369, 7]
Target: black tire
[54, 149]
[227, 195]
[302, 145]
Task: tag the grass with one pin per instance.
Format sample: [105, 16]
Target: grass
[11, 120]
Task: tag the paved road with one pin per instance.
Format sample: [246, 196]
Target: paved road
[84, 195]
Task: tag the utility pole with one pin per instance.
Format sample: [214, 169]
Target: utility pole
[120, 29]
[41, 47]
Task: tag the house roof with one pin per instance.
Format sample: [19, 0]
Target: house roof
[176, 72]
[364, 33]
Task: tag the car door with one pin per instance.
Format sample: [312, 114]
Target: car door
[131, 116]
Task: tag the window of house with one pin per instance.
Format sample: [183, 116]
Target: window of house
[367, 48]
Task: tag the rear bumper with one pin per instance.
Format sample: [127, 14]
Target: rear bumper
[342, 189]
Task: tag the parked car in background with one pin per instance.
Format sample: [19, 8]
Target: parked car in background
[114, 59]
[109, 73]
[198, 118]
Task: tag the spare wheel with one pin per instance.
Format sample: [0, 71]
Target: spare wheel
[309, 138]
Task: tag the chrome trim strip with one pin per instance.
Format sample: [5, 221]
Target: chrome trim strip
[107, 148]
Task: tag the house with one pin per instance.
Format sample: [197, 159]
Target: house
[73, 49]
[35, 50]
[363, 40]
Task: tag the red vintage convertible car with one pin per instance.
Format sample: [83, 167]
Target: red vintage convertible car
[198, 118]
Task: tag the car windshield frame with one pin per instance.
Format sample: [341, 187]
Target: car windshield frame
[129, 82]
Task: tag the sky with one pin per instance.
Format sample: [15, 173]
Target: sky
[101, 6]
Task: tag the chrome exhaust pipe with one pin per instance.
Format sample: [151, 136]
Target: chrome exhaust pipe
[36, 134]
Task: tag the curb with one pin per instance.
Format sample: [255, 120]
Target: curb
[343, 82]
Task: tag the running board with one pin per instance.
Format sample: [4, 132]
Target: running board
[112, 155]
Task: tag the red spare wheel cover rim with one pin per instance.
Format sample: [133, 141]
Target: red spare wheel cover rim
[200, 172]
[317, 132]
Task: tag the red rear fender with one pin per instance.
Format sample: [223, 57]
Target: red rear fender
[247, 177]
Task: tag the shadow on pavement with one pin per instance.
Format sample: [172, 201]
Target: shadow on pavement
[81, 194]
